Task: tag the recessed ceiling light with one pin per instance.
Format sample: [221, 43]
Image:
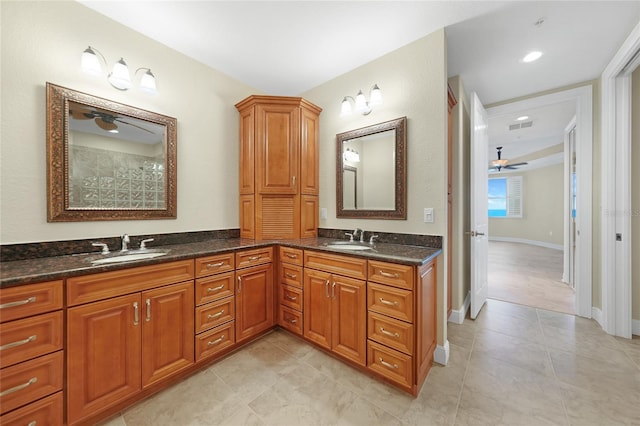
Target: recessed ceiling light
[521, 118]
[532, 56]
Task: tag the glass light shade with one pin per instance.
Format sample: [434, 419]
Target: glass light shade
[89, 62]
[376, 95]
[361, 102]
[148, 82]
[119, 77]
[532, 56]
[345, 108]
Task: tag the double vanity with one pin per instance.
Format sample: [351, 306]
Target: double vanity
[85, 336]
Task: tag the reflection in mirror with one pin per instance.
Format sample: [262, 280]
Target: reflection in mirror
[108, 161]
[371, 178]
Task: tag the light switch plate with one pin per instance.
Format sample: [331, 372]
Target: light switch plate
[428, 215]
[323, 213]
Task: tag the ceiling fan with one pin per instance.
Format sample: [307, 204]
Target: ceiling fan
[105, 120]
[501, 163]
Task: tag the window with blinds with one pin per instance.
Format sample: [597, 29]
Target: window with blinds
[505, 197]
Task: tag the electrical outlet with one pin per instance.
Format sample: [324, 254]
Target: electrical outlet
[428, 215]
[323, 213]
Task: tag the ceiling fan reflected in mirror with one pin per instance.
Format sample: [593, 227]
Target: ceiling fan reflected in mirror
[503, 163]
[103, 119]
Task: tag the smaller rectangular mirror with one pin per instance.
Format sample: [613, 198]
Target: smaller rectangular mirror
[108, 161]
[371, 171]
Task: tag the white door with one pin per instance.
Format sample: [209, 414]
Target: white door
[479, 199]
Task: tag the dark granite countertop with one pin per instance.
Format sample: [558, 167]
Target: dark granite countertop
[59, 267]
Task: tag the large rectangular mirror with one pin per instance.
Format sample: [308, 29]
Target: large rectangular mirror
[108, 161]
[371, 171]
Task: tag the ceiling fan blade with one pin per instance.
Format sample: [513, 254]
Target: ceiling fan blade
[80, 113]
[518, 164]
[134, 125]
[105, 125]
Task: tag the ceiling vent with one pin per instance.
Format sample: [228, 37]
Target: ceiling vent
[522, 125]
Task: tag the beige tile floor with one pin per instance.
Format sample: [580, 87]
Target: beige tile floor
[514, 365]
[529, 275]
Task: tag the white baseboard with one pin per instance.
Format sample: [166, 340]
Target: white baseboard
[458, 316]
[441, 354]
[635, 327]
[596, 314]
[531, 242]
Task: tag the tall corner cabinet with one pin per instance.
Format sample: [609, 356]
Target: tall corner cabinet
[278, 167]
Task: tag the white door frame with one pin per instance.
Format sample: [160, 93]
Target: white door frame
[582, 96]
[567, 276]
[616, 188]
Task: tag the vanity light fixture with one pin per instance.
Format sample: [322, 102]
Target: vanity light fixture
[119, 76]
[360, 102]
[532, 56]
[351, 155]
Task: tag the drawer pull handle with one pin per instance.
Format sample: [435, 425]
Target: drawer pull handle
[19, 387]
[389, 274]
[216, 342]
[136, 314]
[18, 343]
[291, 256]
[18, 303]
[148, 302]
[388, 302]
[292, 320]
[211, 290]
[388, 333]
[292, 298]
[33, 423]
[388, 365]
[252, 258]
[292, 276]
[212, 316]
[326, 289]
[215, 265]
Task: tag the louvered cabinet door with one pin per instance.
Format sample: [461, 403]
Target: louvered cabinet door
[278, 217]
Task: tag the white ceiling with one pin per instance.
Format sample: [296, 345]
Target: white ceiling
[288, 47]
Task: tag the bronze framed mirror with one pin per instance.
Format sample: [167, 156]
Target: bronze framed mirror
[108, 161]
[371, 177]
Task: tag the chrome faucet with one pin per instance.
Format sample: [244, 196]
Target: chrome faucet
[355, 234]
[125, 242]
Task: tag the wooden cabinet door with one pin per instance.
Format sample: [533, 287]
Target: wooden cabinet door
[247, 151]
[317, 307]
[254, 301]
[349, 318]
[103, 354]
[309, 175]
[167, 315]
[277, 139]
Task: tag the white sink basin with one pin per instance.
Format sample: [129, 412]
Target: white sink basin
[129, 257]
[353, 247]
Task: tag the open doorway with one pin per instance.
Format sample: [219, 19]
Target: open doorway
[532, 206]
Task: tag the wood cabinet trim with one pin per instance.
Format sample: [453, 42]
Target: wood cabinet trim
[342, 265]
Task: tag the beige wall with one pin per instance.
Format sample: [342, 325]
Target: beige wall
[42, 42]
[635, 193]
[461, 247]
[413, 80]
[542, 206]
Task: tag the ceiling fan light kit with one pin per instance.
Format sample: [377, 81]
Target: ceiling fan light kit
[503, 163]
[119, 77]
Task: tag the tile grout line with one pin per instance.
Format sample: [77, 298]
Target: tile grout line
[464, 376]
[553, 369]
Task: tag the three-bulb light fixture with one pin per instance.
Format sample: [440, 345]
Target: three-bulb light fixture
[351, 155]
[361, 104]
[119, 76]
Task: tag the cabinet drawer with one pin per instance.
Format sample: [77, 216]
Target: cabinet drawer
[30, 380]
[214, 264]
[47, 411]
[30, 337]
[290, 296]
[343, 265]
[391, 274]
[391, 364]
[106, 285]
[215, 340]
[213, 288]
[291, 255]
[391, 301]
[290, 319]
[27, 300]
[215, 313]
[253, 257]
[290, 275]
[390, 332]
